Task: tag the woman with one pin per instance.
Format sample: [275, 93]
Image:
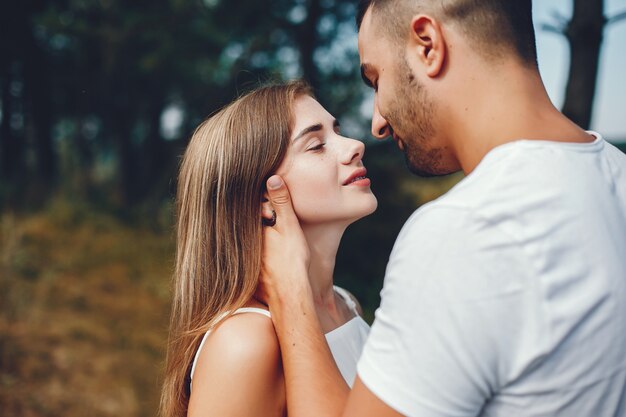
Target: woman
[224, 358]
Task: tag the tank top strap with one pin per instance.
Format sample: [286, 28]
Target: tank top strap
[347, 298]
[238, 311]
[257, 310]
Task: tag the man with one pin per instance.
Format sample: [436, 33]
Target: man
[506, 296]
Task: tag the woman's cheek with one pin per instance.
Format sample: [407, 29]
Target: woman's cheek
[308, 192]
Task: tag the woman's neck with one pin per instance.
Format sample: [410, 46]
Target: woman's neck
[323, 244]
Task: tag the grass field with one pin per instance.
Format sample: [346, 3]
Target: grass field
[84, 300]
[83, 314]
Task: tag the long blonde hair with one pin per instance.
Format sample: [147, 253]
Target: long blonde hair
[220, 188]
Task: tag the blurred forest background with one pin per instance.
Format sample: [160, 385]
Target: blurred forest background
[98, 99]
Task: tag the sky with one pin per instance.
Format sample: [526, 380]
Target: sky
[609, 115]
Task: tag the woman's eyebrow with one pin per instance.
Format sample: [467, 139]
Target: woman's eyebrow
[313, 128]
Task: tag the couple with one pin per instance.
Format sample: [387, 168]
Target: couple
[506, 296]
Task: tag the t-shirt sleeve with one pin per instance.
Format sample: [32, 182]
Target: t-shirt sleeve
[450, 316]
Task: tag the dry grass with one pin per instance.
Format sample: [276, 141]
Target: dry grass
[84, 304]
[83, 311]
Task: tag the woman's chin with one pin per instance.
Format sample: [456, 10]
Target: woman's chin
[345, 217]
[373, 206]
[366, 210]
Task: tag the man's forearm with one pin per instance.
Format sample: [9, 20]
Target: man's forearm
[314, 384]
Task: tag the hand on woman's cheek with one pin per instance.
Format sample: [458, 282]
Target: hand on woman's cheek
[285, 254]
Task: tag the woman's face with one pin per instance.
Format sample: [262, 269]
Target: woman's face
[324, 170]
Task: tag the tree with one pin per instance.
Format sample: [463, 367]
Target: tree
[584, 34]
[26, 103]
[97, 77]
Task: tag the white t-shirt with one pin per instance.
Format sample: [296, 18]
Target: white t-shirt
[507, 296]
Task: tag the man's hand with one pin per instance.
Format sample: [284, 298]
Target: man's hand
[314, 384]
[285, 258]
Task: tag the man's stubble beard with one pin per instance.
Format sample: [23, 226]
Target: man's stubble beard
[411, 114]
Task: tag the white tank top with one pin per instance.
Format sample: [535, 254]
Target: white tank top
[346, 341]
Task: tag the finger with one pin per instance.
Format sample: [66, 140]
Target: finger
[280, 199]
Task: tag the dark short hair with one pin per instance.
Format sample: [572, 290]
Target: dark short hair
[361, 10]
[505, 24]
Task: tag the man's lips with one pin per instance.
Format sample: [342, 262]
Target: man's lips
[357, 177]
[398, 141]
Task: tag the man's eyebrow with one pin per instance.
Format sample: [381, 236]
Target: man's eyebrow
[364, 69]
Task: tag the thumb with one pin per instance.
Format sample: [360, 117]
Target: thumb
[279, 197]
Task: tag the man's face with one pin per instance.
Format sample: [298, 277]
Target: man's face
[402, 106]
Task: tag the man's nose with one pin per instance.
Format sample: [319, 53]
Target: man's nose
[380, 127]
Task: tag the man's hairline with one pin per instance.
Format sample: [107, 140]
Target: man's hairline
[388, 35]
[391, 36]
[395, 41]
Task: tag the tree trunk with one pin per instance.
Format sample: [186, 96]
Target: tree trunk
[6, 139]
[127, 161]
[153, 149]
[13, 23]
[308, 39]
[11, 143]
[584, 34]
[37, 90]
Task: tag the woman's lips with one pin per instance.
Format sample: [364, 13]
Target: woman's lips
[361, 182]
[358, 177]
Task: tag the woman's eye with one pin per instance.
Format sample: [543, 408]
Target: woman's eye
[316, 147]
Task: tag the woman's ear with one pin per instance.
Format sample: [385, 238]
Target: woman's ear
[427, 44]
[267, 211]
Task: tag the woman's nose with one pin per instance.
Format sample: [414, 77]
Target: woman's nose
[354, 151]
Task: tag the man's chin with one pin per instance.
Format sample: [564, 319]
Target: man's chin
[426, 170]
[423, 173]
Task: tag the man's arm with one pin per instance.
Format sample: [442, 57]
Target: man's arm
[314, 384]
[457, 319]
[363, 402]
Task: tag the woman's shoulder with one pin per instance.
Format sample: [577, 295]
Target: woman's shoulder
[245, 335]
[351, 301]
[240, 355]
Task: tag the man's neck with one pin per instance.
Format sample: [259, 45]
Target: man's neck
[501, 106]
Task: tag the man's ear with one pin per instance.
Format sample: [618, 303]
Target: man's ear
[427, 44]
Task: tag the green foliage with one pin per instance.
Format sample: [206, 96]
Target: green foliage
[107, 70]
